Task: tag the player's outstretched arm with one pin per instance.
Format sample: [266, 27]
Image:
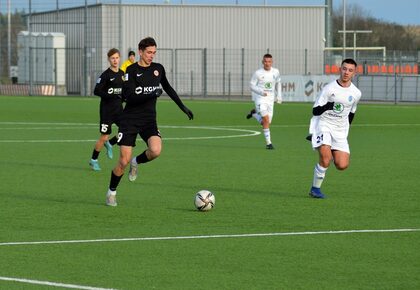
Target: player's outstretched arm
[188, 112]
[317, 111]
[174, 96]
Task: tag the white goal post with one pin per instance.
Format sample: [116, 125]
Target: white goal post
[354, 49]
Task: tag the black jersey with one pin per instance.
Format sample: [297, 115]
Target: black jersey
[109, 88]
[139, 88]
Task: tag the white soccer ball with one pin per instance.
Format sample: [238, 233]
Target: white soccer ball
[204, 200]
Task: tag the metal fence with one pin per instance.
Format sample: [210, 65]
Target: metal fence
[395, 88]
[215, 73]
[193, 72]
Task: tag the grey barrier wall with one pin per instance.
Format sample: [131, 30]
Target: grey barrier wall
[375, 88]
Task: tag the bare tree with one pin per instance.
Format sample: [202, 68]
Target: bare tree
[391, 35]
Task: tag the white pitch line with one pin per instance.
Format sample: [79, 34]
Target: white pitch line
[47, 141]
[48, 128]
[384, 125]
[45, 123]
[307, 125]
[207, 237]
[47, 283]
[249, 133]
[221, 128]
[197, 127]
[353, 125]
[164, 139]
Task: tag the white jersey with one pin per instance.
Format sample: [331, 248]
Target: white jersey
[345, 102]
[263, 81]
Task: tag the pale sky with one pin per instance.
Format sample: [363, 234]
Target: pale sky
[398, 11]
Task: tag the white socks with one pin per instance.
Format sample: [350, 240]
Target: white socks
[257, 117]
[111, 192]
[267, 136]
[134, 161]
[319, 174]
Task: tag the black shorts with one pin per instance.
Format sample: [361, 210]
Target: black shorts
[128, 133]
[105, 127]
[105, 123]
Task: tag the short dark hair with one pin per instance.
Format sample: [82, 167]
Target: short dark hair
[112, 51]
[131, 53]
[146, 42]
[349, 61]
[267, 55]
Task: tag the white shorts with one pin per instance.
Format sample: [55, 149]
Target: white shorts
[336, 139]
[265, 109]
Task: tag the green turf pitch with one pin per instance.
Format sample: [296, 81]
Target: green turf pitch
[49, 193]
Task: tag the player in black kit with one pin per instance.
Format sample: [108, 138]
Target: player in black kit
[141, 89]
[109, 88]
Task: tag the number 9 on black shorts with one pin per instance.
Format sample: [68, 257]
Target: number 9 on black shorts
[128, 133]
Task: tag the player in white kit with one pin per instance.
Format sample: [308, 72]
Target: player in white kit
[333, 112]
[265, 89]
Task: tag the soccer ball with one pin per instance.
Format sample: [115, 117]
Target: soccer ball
[204, 200]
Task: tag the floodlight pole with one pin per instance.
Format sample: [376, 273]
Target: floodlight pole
[344, 29]
[354, 37]
[120, 32]
[9, 37]
[85, 51]
[29, 19]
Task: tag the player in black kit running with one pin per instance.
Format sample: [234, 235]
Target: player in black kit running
[141, 89]
[109, 89]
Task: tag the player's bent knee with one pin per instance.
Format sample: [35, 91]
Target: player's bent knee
[118, 171]
[341, 166]
[153, 154]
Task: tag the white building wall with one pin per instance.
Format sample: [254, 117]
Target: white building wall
[250, 27]
[235, 38]
[288, 32]
[44, 54]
